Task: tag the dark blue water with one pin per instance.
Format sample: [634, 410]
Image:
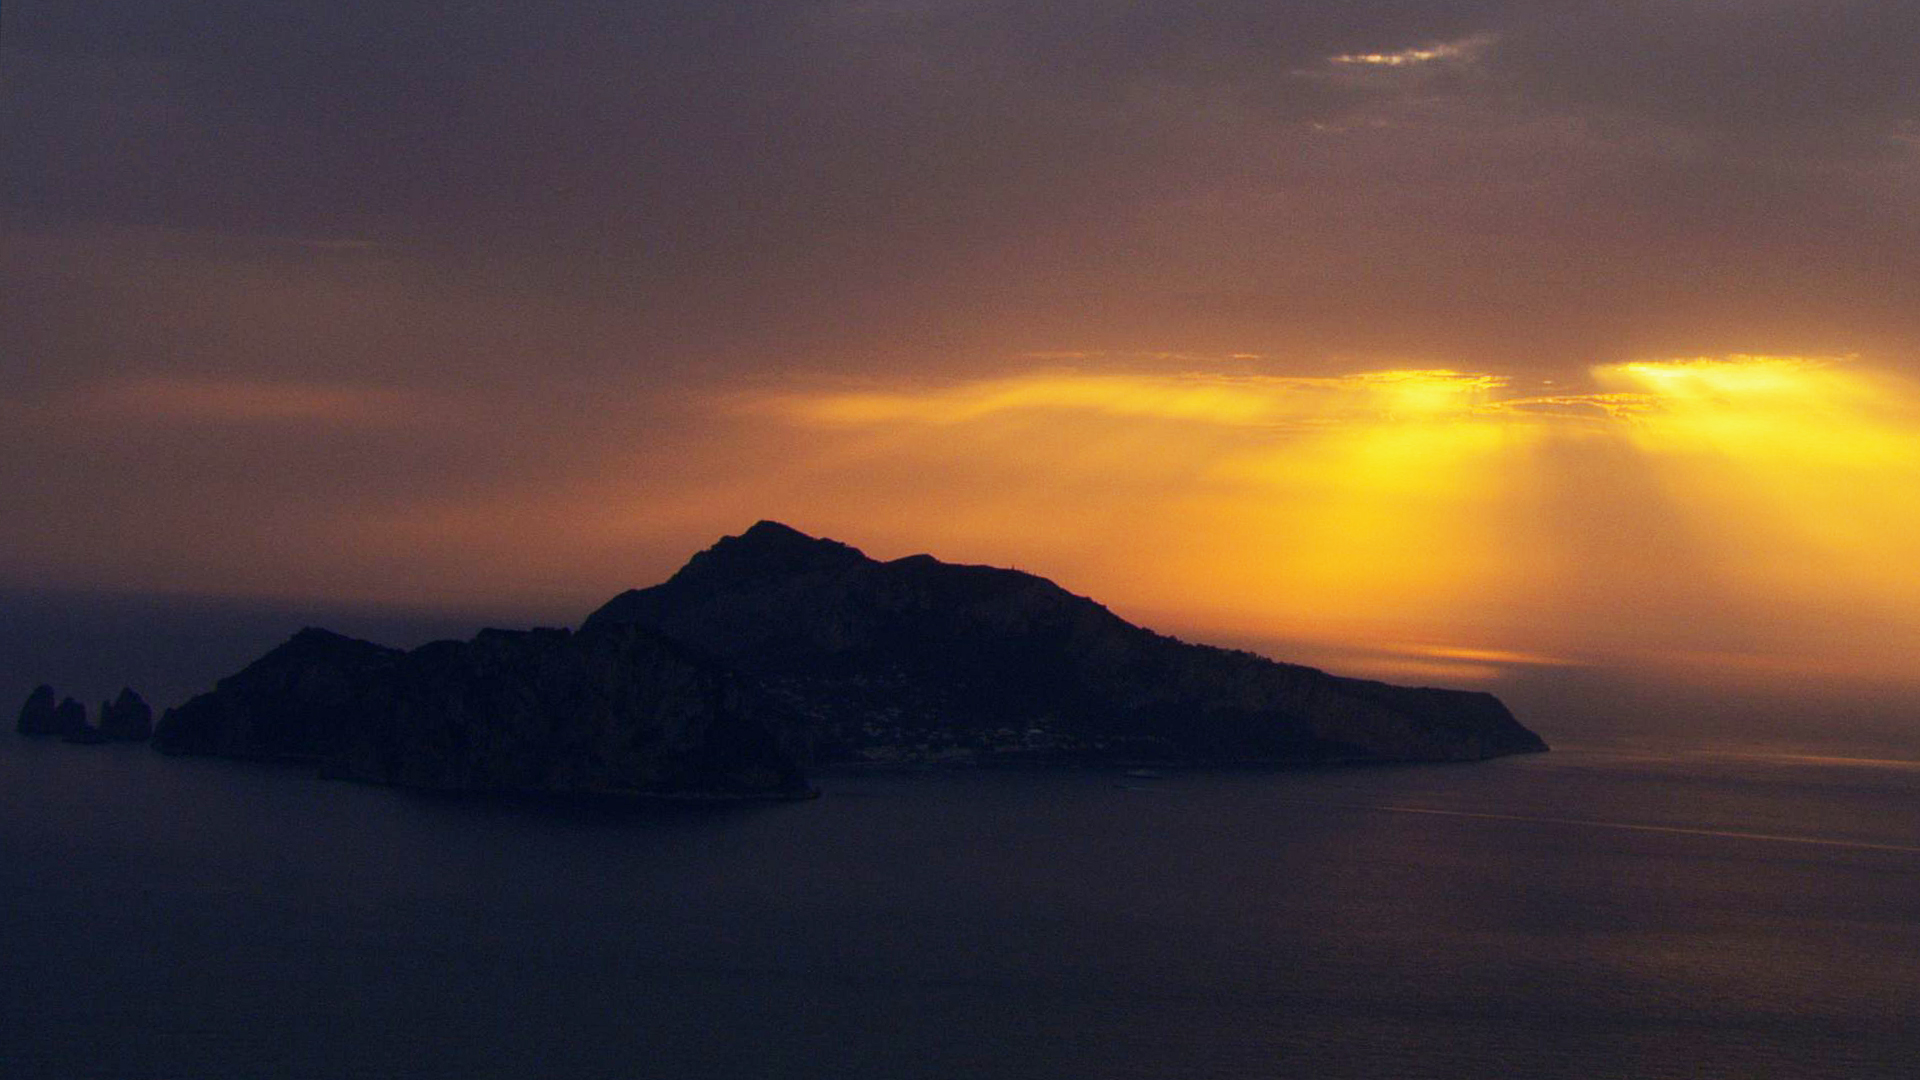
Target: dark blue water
[1576, 914]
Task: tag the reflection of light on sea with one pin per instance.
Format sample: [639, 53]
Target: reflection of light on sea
[1583, 823]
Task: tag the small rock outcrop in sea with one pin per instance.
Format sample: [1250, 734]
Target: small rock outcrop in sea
[918, 659]
[618, 711]
[127, 718]
[71, 718]
[37, 714]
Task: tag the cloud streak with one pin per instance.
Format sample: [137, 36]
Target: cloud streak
[1465, 50]
[1218, 399]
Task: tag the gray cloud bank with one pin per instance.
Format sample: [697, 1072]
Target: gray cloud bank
[902, 160]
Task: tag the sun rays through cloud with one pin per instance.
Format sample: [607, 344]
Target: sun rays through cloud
[1742, 511]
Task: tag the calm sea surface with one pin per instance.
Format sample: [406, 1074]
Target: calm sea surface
[1575, 914]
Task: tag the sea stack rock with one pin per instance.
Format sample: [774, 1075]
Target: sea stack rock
[127, 718]
[71, 718]
[37, 713]
[918, 659]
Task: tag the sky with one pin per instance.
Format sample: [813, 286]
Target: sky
[1453, 342]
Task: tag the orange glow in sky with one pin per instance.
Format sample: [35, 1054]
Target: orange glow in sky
[1744, 511]
[1746, 514]
[1464, 342]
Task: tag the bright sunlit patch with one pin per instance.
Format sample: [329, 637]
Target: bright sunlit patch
[1806, 471]
[1489, 656]
[1257, 498]
[1466, 48]
[1413, 669]
[1456, 664]
[1389, 513]
[1749, 506]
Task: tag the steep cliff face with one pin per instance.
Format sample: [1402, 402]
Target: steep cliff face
[619, 711]
[920, 658]
[291, 704]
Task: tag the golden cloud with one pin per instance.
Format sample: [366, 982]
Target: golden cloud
[1226, 400]
[1465, 49]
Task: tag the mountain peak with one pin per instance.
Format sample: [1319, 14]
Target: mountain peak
[914, 653]
[767, 531]
[769, 549]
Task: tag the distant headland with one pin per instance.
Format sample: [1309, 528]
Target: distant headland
[772, 652]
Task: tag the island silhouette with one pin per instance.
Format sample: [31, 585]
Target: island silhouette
[774, 652]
